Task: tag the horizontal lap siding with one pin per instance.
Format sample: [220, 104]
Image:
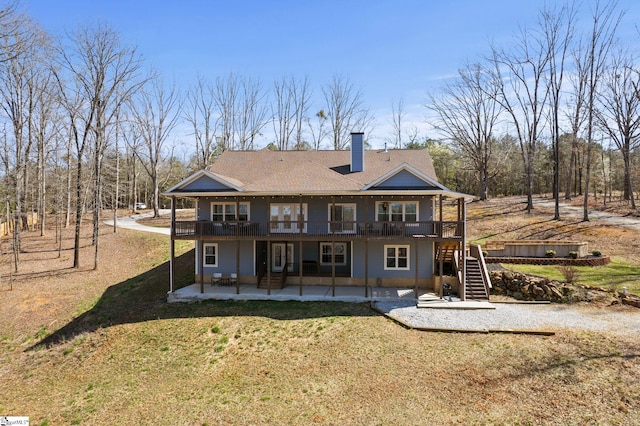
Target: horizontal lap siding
[376, 259]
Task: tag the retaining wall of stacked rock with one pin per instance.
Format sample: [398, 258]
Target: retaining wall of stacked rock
[527, 287]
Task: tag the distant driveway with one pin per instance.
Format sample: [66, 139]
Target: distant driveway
[578, 212]
[130, 222]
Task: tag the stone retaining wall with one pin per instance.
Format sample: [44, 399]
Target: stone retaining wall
[527, 287]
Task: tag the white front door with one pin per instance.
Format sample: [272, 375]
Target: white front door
[281, 256]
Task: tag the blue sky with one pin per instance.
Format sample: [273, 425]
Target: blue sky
[389, 49]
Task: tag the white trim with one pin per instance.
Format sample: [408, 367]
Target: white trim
[293, 222]
[227, 203]
[355, 218]
[228, 182]
[327, 193]
[396, 257]
[216, 255]
[328, 243]
[404, 209]
[287, 246]
[402, 167]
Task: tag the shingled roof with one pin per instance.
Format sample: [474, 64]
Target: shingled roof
[313, 171]
[266, 172]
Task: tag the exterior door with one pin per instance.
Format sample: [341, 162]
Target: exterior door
[281, 254]
[285, 217]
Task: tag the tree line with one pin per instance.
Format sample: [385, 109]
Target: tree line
[87, 125]
[557, 110]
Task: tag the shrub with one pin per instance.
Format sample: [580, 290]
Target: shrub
[550, 253]
[596, 253]
[573, 254]
[570, 273]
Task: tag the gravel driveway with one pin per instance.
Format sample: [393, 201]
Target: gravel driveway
[506, 316]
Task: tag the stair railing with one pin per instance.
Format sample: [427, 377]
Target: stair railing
[476, 251]
[262, 270]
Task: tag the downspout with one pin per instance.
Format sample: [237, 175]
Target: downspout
[439, 234]
[172, 245]
[300, 264]
[333, 249]
[463, 250]
[237, 246]
[366, 247]
[201, 264]
[415, 287]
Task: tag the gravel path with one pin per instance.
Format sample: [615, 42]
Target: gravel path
[551, 317]
[578, 212]
[131, 222]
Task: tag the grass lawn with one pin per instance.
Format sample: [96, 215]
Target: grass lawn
[96, 347]
[614, 276]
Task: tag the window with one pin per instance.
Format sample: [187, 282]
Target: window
[286, 217]
[224, 212]
[396, 257]
[401, 211]
[342, 218]
[210, 254]
[340, 254]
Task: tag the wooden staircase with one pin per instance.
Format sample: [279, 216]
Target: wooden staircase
[446, 251]
[475, 288]
[276, 281]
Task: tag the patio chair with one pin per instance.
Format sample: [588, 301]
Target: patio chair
[216, 278]
[233, 279]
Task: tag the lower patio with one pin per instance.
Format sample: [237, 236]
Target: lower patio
[314, 293]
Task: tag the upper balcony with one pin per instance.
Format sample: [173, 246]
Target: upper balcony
[308, 230]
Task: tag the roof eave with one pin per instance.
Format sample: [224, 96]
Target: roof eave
[371, 192]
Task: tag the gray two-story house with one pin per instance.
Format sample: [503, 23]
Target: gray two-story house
[360, 218]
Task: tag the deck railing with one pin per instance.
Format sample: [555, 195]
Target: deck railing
[291, 230]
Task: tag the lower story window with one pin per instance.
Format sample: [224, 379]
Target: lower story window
[396, 257]
[210, 254]
[339, 255]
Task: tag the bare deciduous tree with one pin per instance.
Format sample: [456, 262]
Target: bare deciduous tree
[21, 49]
[102, 74]
[618, 114]
[519, 76]
[397, 119]
[345, 110]
[599, 42]
[558, 31]
[318, 129]
[200, 114]
[467, 111]
[291, 106]
[155, 115]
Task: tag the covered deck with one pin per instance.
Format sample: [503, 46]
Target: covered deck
[192, 293]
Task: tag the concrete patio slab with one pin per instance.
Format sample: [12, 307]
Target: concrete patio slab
[192, 293]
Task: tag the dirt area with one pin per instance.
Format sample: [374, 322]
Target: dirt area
[47, 286]
[507, 219]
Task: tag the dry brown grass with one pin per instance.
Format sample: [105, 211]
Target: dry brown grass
[96, 347]
[506, 219]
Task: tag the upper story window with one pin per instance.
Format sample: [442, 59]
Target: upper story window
[226, 212]
[342, 218]
[397, 211]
